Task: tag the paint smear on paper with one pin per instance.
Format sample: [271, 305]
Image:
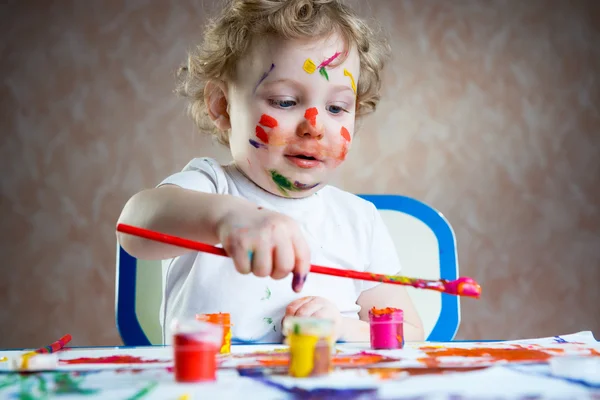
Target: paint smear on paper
[395, 373]
[123, 359]
[483, 354]
[311, 116]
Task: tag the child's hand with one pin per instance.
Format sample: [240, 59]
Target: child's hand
[316, 307]
[265, 243]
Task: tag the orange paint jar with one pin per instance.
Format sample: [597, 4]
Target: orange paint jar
[221, 319]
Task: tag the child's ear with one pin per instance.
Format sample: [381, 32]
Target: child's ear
[215, 99]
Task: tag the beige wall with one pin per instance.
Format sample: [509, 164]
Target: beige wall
[490, 114]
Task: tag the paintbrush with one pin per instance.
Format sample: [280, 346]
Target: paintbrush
[25, 359]
[463, 286]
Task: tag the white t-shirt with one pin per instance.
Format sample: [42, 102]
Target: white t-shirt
[342, 231]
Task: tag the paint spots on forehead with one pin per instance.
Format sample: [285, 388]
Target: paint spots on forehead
[309, 66]
[263, 77]
[329, 60]
[352, 82]
[311, 116]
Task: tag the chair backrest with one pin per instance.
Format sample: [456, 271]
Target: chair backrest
[424, 241]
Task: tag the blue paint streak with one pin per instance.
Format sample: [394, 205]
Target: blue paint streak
[263, 77]
[256, 144]
[261, 376]
[558, 339]
[304, 186]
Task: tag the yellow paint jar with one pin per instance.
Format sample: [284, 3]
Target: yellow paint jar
[311, 343]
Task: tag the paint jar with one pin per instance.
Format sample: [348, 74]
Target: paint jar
[195, 347]
[387, 328]
[224, 320]
[311, 343]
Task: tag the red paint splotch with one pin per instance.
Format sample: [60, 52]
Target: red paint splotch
[262, 134]
[345, 134]
[311, 116]
[268, 122]
[112, 360]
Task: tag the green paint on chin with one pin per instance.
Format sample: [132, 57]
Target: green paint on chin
[283, 184]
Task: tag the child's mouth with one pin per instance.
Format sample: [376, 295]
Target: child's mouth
[303, 160]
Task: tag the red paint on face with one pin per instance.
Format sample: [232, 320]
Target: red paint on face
[311, 116]
[261, 134]
[345, 134]
[344, 151]
[268, 121]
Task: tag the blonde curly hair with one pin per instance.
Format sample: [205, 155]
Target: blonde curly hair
[228, 37]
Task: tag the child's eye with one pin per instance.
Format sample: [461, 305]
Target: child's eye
[282, 103]
[335, 109]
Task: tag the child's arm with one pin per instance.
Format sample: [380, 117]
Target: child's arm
[176, 211]
[259, 241]
[393, 296]
[384, 260]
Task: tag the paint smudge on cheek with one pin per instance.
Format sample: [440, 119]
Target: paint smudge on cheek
[345, 134]
[311, 116]
[345, 144]
[262, 134]
[268, 121]
[256, 144]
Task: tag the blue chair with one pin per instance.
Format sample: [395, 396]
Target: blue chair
[424, 240]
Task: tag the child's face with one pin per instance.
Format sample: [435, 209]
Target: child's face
[292, 115]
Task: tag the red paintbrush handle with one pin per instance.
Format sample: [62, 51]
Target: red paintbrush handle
[461, 287]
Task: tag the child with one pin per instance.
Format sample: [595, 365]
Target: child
[281, 84]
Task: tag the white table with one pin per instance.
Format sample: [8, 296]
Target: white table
[495, 378]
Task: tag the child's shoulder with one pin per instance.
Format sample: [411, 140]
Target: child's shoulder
[202, 173]
[349, 202]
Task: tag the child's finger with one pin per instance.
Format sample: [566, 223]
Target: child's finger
[308, 309]
[241, 253]
[294, 305]
[302, 263]
[262, 260]
[283, 257]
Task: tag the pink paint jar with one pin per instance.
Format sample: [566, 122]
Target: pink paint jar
[387, 328]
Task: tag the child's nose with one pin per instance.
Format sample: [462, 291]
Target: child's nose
[309, 127]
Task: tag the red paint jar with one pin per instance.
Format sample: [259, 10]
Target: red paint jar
[195, 348]
[387, 328]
